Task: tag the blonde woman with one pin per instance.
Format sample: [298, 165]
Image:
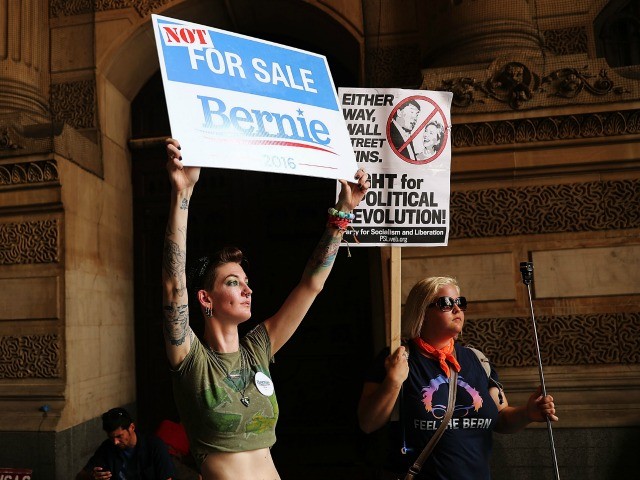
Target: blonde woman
[431, 140]
[432, 319]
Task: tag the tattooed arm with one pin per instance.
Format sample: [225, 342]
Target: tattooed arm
[285, 322]
[175, 301]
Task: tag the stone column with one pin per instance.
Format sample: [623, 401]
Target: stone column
[32, 366]
[24, 53]
[464, 32]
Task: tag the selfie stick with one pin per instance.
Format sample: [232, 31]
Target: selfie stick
[526, 269]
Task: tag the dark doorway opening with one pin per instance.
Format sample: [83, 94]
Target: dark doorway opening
[276, 220]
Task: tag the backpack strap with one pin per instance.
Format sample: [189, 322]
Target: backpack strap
[484, 361]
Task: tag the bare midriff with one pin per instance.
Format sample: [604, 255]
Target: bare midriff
[251, 465]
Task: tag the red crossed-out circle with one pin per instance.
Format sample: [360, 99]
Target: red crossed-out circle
[433, 112]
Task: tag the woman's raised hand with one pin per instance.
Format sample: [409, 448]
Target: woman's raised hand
[181, 177]
[352, 193]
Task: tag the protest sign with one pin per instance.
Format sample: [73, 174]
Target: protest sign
[245, 103]
[403, 140]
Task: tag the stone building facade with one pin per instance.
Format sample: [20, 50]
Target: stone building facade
[545, 168]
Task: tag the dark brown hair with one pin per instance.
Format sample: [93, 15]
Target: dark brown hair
[203, 274]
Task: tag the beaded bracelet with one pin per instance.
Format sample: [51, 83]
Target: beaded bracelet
[337, 213]
[342, 224]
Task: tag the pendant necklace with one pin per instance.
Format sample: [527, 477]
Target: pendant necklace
[243, 377]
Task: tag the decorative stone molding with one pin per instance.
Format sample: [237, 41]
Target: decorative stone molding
[30, 356]
[74, 103]
[144, 8]
[29, 242]
[566, 41]
[393, 66]
[65, 8]
[515, 84]
[590, 339]
[27, 173]
[562, 208]
[545, 129]
[570, 82]
[7, 141]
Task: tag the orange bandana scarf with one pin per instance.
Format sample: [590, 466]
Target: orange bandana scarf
[443, 355]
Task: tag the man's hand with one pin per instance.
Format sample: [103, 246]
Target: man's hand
[99, 473]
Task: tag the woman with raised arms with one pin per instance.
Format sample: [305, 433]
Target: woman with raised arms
[222, 385]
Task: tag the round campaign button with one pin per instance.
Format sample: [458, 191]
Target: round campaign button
[263, 384]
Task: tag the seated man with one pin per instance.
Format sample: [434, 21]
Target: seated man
[127, 454]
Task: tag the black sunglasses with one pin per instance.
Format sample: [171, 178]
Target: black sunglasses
[446, 304]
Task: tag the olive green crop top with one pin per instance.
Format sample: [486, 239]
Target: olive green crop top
[211, 404]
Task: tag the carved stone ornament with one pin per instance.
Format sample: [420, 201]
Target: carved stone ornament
[590, 339]
[6, 140]
[515, 84]
[146, 7]
[562, 208]
[65, 8]
[74, 103]
[29, 242]
[28, 173]
[570, 82]
[30, 356]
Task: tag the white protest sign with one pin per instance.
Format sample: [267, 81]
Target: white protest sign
[403, 140]
[243, 103]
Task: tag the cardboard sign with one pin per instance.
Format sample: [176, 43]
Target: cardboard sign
[403, 140]
[243, 103]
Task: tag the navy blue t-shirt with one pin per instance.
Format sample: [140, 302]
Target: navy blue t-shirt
[149, 460]
[464, 450]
